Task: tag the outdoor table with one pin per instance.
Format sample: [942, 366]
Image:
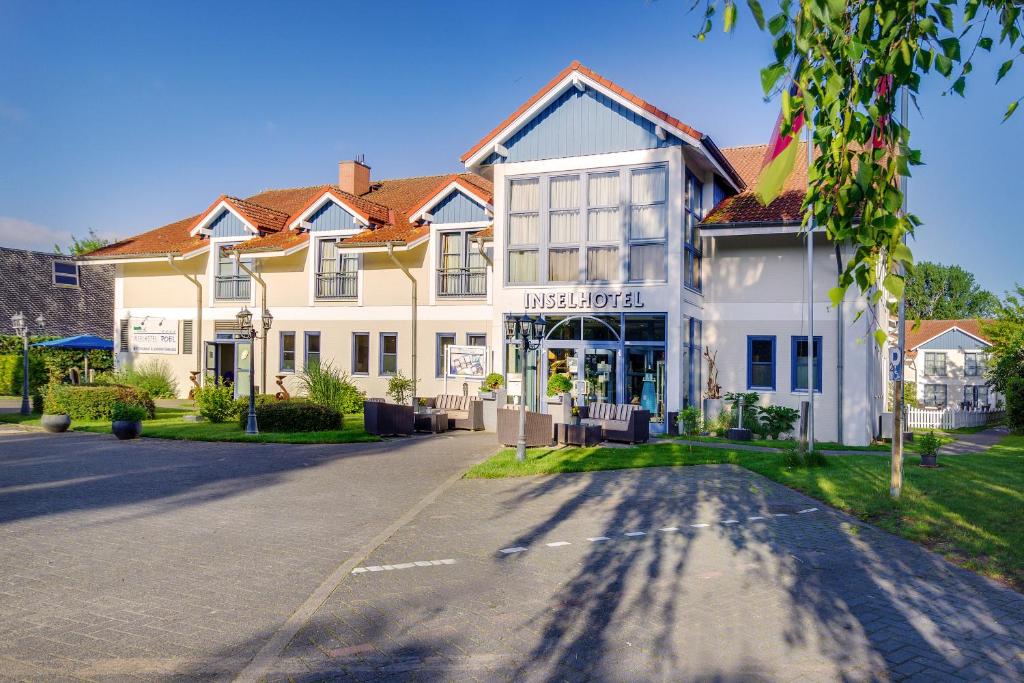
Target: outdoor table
[432, 421]
[577, 434]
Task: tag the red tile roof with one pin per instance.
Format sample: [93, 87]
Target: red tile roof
[745, 207]
[576, 66]
[933, 328]
[484, 195]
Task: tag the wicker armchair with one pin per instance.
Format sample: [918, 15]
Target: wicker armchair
[539, 428]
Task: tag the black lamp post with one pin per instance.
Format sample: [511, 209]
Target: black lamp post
[526, 333]
[21, 328]
[244, 318]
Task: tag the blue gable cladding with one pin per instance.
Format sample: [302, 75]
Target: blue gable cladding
[954, 339]
[330, 216]
[581, 123]
[227, 224]
[458, 208]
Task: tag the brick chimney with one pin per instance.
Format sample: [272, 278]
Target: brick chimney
[354, 176]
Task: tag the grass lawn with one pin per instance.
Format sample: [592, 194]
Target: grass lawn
[968, 509]
[169, 423]
[783, 444]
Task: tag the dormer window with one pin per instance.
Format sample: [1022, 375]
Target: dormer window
[65, 274]
[337, 272]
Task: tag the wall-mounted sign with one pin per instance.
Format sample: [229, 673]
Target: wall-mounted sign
[582, 301]
[467, 361]
[153, 335]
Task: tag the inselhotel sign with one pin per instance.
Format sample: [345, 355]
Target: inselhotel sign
[582, 301]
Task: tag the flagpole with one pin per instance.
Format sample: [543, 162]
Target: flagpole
[810, 296]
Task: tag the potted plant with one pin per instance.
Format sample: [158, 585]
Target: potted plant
[422, 404]
[126, 420]
[575, 415]
[929, 448]
[491, 384]
[54, 418]
[558, 386]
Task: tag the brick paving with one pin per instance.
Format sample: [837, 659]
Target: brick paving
[792, 596]
[176, 560]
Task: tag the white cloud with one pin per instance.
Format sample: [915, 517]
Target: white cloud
[18, 233]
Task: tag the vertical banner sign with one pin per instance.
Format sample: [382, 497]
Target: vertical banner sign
[895, 364]
[153, 335]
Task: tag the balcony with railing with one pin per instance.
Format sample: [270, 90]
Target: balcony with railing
[337, 286]
[462, 282]
[233, 287]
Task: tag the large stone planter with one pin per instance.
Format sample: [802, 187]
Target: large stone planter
[712, 408]
[56, 423]
[126, 429]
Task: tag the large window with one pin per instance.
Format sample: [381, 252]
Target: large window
[287, 352]
[601, 226]
[232, 281]
[974, 364]
[444, 340]
[934, 395]
[761, 363]
[694, 215]
[360, 353]
[976, 396]
[388, 353]
[935, 364]
[337, 272]
[799, 364]
[461, 270]
[312, 349]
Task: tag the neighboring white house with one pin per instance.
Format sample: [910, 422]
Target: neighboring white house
[637, 237]
[947, 359]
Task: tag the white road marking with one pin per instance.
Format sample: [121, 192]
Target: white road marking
[599, 538]
[802, 512]
[403, 565]
[699, 525]
[731, 521]
[669, 528]
[509, 551]
[782, 514]
[636, 533]
[754, 518]
[558, 544]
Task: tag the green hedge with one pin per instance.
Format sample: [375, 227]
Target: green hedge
[294, 415]
[11, 371]
[57, 362]
[92, 402]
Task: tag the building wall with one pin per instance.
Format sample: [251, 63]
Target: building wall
[955, 378]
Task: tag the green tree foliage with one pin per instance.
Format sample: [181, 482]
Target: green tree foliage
[79, 247]
[1006, 358]
[839, 52]
[938, 292]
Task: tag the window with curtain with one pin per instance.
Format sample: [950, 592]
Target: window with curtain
[935, 364]
[337, 272]
[934, 395]
[648, 224]
[564, 229]
[232, 281]
[693, 216]
[604, 228]
[462, 270]
[972, 366]
[523, 230]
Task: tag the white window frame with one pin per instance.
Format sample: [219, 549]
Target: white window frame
[54, 274]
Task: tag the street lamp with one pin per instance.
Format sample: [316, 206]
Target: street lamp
[526, 333]
[21, 328]
[244, 318]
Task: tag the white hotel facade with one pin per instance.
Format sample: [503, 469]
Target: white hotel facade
[633, 233]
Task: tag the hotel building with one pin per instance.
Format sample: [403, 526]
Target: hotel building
[636, 236]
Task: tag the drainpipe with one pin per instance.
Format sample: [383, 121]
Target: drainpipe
[412, 304]
[482, 251]
[194, 279]
[842, 352]
[263, 308]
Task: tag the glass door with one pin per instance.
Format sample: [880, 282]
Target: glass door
[645, 379]
[212, 368]
[600, 372]
[562, 360]
[243, 367]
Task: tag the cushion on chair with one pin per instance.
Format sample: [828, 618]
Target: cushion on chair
[616, 425]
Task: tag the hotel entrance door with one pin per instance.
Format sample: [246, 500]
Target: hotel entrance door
[230, 362]
[593, 370]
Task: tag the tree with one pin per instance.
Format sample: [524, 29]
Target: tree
[91, 242]
[1006, 332]
[938, 292]
[849, 59]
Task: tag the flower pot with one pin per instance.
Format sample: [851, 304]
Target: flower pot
[126, 429]
[929, 460]
[56, 423]
[486, 395]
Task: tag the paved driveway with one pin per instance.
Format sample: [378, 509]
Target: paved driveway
[666, 574]
[153, 558]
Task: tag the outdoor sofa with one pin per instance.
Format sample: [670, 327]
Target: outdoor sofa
[387, 419]
[464, 412]
[623, 422]
[539, 428]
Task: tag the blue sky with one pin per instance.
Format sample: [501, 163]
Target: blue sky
[125, 116]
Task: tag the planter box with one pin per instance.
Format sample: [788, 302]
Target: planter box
[712, 408]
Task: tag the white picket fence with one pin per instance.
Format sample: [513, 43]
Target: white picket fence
[923, 418]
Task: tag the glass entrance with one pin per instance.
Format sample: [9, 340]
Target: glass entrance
[243, 367]
[600, 372]
[645, 379]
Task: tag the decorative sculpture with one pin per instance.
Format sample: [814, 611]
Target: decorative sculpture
[714, 389]
[282, 395]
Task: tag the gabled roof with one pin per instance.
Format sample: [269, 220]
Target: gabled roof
[930, 329]
[258, 218]
[358, 206]
[745, 207]
[448, 185]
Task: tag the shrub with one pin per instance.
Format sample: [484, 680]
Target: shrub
[559, 384]
[1015, 404]
[327, 386]
[773, 421]
[295, 415]
[690, 421]
[241, 407]
[928, 443]
[750, 399]
[719, 425]
[89, 402]
[155, 377]
[126, 412]
[12, 369]
[400, 388]
[493, 382]
[215, 401]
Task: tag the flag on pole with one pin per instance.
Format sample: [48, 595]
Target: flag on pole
[781, 155]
